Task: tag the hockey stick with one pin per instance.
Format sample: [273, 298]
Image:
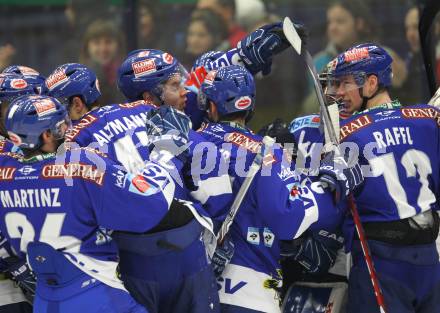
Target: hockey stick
[295, 41]
[253, 170]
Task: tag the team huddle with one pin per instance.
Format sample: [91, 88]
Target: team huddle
[170, 203]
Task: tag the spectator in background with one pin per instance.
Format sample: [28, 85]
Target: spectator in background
[7, 52]
[350, 22]
[206, 31]
[226, 9]
[150, 19]
[415, 88]
[102, 50]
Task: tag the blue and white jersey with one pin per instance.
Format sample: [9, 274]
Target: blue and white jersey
[117, 130]
[399, 150]
[276, 207]
[70, 200]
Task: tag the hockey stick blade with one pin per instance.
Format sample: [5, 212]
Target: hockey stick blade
[292, 36]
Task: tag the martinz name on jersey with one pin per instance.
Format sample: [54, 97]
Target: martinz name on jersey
[30, 198]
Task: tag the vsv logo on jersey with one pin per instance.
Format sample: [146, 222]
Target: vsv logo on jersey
[231, 289]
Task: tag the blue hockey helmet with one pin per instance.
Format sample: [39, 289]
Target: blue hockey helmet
[33, 77]
[145, 70]
[363, 60]
[231, 88]
[30, 115]
[73, 79]
[15, 85]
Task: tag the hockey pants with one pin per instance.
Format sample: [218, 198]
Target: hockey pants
[409, 277]
[168, 272]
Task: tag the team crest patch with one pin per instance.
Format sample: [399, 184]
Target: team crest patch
[18, 83]
[44, 107]
[57, 78]
[268, 237]
[144, 67]
[243, 102]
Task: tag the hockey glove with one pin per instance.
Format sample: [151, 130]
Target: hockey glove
[340, 177]
[257, 49]
[313, 255]
[21, 274]
[277, 129]
[222, 256]
[168, 130]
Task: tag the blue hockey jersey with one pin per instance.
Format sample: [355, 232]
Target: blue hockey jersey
[399, 150]
[69, 201]
[276, 206]
[117, 130]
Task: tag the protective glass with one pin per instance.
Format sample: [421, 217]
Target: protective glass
[346, 83]
[173, 83]
[60, 128]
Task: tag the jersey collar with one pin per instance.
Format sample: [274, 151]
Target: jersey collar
[395, 104]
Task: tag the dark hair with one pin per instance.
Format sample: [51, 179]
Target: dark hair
[101, 28]
[360, 10]
[213, 22]
[227, 3]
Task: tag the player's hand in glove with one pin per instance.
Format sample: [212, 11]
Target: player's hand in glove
[339, 176]
[167, 130]
[313, 255]
[21, 273]
[279, 130]
[257, 49]
[222, 256]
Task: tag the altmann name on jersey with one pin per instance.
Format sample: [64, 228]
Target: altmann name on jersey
[30, 198]
[73, 170]
[121, 125]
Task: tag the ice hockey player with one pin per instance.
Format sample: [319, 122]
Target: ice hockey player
[120, 131]
[75, 194]
[399, 152]
[250, 280]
